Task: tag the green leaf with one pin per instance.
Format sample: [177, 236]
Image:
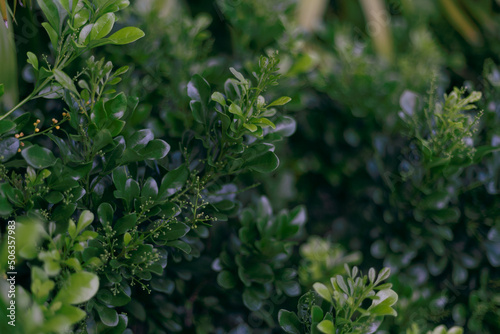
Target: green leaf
[250, 127]
[102, 26]
[371, 275]
[235, 109]
[38, 157]
[174, 231]
[78, 288]
[150, 189]
[116, 107]
[52, 35]
[108, 316]
[155, 149]
[226, 280]
[455, 330]
[382, 310]
[198, 89]
[126, 35]
[140, 139]
[263, 164]
[180, 245]
[8, 148]
[386, 297]
[263, 122]
[119, 298]
[383, 274]
[251, 299]
[71, 313]
[85, 34]
[2, 90]
[125, 223]
[105, 212]
[33, 60]
[323, 291]
[72, 229]
[281, 101]
[5, 206]
[101, 140]
[54, 197]
[238, 75]
[64, 80]
[316, 313]
[285, 126]
[86, 218]
[81, 17]
[218, 97]
[173, 181]
[289, 322]
[327, 327]
[51, 12]
[127, 238]
[341, 284]
[120, 176]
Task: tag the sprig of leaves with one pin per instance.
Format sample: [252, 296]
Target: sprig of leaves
[342, 309]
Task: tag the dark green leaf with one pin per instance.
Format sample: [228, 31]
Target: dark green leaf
[8, 148]
[263, 164]
[172, 182]
[289, 322]
[155, 150]
[38, 157]
[226, 280]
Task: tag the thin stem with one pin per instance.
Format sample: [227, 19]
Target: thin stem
[29, 97]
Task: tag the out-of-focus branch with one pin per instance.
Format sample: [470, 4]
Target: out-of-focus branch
[377, 23]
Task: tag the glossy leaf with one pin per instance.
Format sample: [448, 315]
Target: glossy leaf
[126, 35]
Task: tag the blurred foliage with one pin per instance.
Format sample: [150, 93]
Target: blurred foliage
[394, 111]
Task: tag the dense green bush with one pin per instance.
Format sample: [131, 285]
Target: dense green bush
[138, 168]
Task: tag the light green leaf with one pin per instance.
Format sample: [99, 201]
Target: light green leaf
[33, 60]
[279, 102]
[126, 35]
[238, 75]
[323, 291]
[102, 26]
[387, 297]
[235, 109]
[64, 80]
[78, 288]
[127, 238]
[263, 122]
[327, 327]
[250, 127]
[51, 12]
[218, 97]
[52, 34]
[72, 229]
[382, 310]
[81, 18]
[86, 218]
[382, 275]
[85, 34]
